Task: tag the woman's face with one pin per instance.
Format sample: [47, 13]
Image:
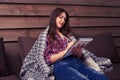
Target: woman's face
[60, 20]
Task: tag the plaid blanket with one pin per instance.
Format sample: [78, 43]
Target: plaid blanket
[35, 68]
[104, 63]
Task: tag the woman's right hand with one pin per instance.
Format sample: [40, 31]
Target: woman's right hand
[76, 51]
[59, 55]
[70, 44]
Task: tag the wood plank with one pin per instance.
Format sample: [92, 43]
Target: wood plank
[42, 22]
[22, 22]
[93, 31]
[71, 2]
[12, 35]
[95, 21]
[45, 10]
[34, 33]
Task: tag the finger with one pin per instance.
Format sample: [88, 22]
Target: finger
[79, 46]
[82, 45]
[73, 50]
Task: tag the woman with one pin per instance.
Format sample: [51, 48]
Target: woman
[59, 40]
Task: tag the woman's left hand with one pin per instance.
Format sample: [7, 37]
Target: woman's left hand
[76, 51]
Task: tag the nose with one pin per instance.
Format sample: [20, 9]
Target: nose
[63, 20]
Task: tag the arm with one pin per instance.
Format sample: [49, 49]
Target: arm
[55, 57]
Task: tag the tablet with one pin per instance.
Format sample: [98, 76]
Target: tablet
[81, 41]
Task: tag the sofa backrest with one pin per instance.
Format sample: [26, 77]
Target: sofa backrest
[25, 44]
[14, 63]
[102, 45]
[3, 63]
[9, 63]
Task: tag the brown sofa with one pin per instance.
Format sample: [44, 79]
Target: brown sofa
[9, 64]
[102, 46]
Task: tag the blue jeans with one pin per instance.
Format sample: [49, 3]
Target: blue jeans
[72, 68]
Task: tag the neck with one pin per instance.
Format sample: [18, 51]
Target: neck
[60, 34]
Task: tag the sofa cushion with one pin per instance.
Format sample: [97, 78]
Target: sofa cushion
[14, 62]
[102, 45]
[114, 74]
[10, 77]
[25, 44]
[3, 64]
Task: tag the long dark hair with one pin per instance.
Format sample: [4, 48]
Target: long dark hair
[52, 23]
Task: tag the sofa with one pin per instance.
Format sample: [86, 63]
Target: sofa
[102, 46]
[9, 64]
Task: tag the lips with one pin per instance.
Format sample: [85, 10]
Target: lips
[61, 24]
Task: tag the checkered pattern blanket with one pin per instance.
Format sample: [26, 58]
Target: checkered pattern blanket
[104, 64]
[34, 66]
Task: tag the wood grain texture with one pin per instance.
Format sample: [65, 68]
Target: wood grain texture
[42, 22]
[92, 31]
[45, 10]
[29, 17]
[68, 2]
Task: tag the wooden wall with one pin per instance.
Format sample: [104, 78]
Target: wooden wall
[30, 17]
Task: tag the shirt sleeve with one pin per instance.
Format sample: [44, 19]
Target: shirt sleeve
[48, 52]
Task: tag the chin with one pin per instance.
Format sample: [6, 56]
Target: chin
[59, 26]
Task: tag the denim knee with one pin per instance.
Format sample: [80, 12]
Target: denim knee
[66, 72]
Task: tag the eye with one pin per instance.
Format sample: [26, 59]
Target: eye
[60, 17]
[65, 18]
